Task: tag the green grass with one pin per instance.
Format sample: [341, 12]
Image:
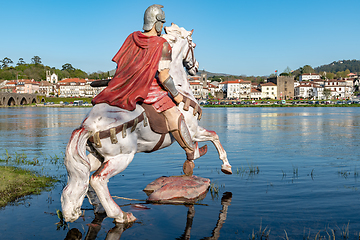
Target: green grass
[57, 100]
[16, 183]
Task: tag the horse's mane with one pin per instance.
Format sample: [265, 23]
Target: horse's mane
[175, 33]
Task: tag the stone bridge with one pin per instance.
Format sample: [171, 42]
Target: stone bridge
[13, 99]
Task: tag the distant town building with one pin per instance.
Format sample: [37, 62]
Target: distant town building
[320, 90]
[71, 87]
[285, 86]
[197, 89]
[46, 88]
[237, 89]
[51, 78]
[255, 94]
[309, 76]
[305, 90]
[338, 88]
[27, 86]
[268, 90]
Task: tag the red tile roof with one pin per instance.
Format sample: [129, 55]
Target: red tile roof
[68, 80]
[268, 84]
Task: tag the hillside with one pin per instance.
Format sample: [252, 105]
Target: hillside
[37, 71]
[340, 66]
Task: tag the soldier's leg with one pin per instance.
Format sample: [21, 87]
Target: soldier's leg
[178, 128]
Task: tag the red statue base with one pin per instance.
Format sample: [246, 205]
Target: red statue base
[177, 189]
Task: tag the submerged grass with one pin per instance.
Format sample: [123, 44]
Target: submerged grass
[16, 183]
[251, 170]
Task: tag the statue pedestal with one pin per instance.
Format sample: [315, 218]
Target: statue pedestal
[177, 189]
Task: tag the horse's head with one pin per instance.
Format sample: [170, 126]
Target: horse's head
[183, 47]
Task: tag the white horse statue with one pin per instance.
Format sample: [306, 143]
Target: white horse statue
[113, 135]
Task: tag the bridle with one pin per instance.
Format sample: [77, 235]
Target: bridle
[190, 50]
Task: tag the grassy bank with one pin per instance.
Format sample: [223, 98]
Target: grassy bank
[57, 100]
[16, 183]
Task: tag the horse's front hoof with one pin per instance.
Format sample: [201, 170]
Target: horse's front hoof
[126, 218]
[226, 169]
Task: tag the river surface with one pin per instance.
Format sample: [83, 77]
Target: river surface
[295, 175]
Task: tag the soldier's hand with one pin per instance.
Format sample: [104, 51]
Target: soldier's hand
[178, 99]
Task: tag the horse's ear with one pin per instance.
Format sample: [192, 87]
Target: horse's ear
[192, 31]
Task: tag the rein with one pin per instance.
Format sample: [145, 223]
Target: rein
[190, 49]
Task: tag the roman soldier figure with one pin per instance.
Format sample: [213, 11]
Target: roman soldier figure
[142, 76]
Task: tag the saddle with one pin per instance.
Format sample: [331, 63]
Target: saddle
[156, 121]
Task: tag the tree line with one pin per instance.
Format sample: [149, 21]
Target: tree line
[37, 71]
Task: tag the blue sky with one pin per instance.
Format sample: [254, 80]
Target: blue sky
[253, 37]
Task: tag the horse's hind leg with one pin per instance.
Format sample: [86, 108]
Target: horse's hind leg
[205, 135]
[109, 168]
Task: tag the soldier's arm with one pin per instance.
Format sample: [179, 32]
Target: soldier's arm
[164, 76]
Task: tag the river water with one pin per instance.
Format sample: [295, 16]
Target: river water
[295, 175]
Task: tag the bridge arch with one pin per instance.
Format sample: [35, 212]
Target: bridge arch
[11, 102]
[13, 99]
[23, 101]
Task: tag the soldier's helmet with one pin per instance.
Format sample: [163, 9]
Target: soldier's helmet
[154, 15]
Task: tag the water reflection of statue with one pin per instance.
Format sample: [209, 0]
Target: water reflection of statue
[95, 227]
[116, 232]
[225, 202]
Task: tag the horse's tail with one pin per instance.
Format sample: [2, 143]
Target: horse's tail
[78, 168]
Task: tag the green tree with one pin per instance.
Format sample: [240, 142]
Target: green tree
[6, 62]
[307, 69]
[341, 74]
[347, 72]
[36, 60]
[7, 75]
[67, 67]
[21, 62]
[330, 75]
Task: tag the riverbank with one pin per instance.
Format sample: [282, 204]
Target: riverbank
[280, 105]
[16, 183]
[221, 105]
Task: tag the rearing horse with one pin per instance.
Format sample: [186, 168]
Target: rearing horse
[113, 135]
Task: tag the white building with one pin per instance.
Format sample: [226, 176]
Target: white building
[46, 88]
[197, 89]
[308, 77]
[268, 91]
[338, 88]
[316, 89]
[71, 87]
[236, 89]
[51, 78]
[199, 86]
[318, 92]
[304, 90]
[255, 94]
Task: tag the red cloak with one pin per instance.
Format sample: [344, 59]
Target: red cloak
[137, 63]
